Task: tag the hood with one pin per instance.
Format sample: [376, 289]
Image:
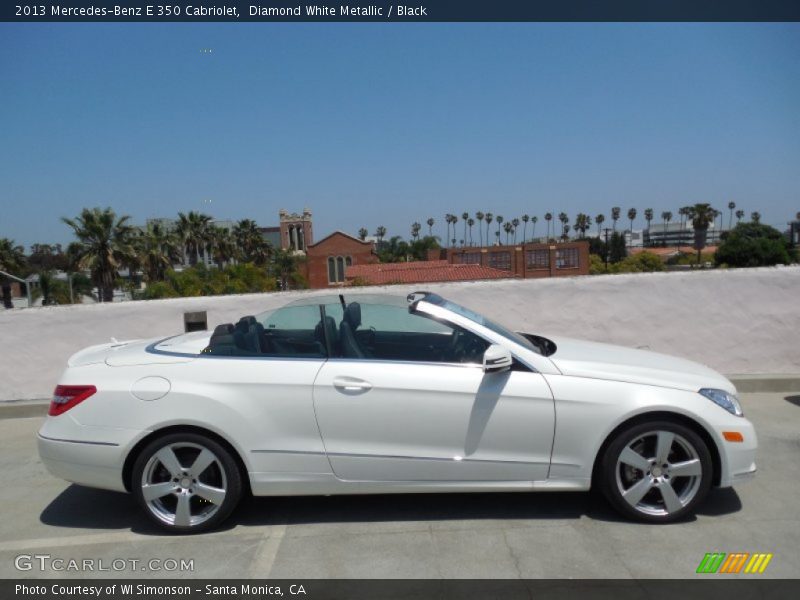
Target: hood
[579, 358]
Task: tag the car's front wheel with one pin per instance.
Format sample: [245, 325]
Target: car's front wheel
[186, 483]
[656, 472]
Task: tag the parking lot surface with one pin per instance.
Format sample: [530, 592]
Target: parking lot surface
[550, 535]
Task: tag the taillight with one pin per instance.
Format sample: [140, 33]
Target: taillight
[67, 396]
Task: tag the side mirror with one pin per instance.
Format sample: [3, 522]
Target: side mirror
[496, 359]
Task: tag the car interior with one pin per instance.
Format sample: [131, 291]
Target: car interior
[429, 342]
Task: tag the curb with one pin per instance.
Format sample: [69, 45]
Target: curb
[745, 384]
[754, 384]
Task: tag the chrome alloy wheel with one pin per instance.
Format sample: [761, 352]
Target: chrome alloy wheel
[184, 484]
[658, 473]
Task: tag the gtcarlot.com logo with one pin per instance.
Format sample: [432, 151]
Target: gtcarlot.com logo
[734, 563]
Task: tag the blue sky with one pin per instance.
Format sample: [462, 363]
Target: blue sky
[371, 124]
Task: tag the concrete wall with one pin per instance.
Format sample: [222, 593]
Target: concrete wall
[737, 321]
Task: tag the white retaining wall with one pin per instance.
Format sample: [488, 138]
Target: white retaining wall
[736, 321]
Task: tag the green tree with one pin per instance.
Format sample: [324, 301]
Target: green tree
[12, 261]
[284, 266]
[615, 214]
[731, 207]
[617, 250]
[250, 243]
[755, 217]
[104, 245]
[739, 216]
[192, 229]
[666, 216]
[222, 245]
[415, 227]
[599, 219]
[471, 223]
[479, 216]
[489, 219]
[363, 233]
[430, 223]
[702, 216]
[582, 223]
[534, 220]
[754, 245]
[548, 217]
[380, 232]
[157, 251]
[631, 217]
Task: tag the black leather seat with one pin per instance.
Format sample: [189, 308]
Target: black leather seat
[347, 338]
[327, 329]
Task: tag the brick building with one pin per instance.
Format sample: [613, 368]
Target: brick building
[429, 271]
[296, 231]
[328, 259]
[562, 259]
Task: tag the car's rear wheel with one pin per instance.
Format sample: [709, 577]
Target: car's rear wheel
[186, 482]
[656, 472]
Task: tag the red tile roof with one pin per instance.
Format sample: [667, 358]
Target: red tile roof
[422, 272]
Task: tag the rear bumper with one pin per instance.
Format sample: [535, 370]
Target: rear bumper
[85, 463]
[91, 456]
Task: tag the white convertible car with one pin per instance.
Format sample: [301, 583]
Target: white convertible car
[364, 394]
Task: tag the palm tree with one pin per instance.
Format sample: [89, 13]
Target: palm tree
[471, 223]
[631, 217]
[548, 217]
[193, 230]
[380, 232]
[363, 233]
[489, 219]
[534, 220]
[564, 224]
[104, 246]
[12, 260]
[499, 220]
[739, 215]
[565, 232]
[479, 215]
[599, 219]
[157, 250]
[755, 217]
[582, 223]
[702, 216]
[525, 219]
[284, 267]
[615, 212]
[248, 239]
[667, 217]
[683, 213]
[454, 220]
[508, 227]
[430, 223]
[731, 206]
[415, 227]
[515, 223]
[648, 217]
[222, 245]
[465, 218]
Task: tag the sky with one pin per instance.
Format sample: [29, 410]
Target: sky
[387, 124]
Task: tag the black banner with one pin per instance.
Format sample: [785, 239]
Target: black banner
[413, 11]
[379, 589]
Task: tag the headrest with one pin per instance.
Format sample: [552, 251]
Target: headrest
[224, 329]
[352, 315]
[244, 323]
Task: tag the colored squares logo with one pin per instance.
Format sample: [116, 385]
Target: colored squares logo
[734, 563]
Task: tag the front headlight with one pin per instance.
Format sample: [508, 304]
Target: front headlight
[727, 401]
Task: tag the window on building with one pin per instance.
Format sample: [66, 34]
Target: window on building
[500, 260]
[336, 268]
[537, 259]
[567, 258]
[471, 258]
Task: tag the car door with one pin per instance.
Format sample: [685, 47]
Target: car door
[437, 419]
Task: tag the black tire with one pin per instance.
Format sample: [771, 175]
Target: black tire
[618, 477]
[221, 474]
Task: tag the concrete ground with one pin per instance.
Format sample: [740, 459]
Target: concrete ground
[555, 535]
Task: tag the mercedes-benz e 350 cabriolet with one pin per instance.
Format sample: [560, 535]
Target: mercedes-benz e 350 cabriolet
[357, 394]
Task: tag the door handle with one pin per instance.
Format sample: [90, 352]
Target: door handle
[349, 384]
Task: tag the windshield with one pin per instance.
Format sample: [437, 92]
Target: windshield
[481, 320]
